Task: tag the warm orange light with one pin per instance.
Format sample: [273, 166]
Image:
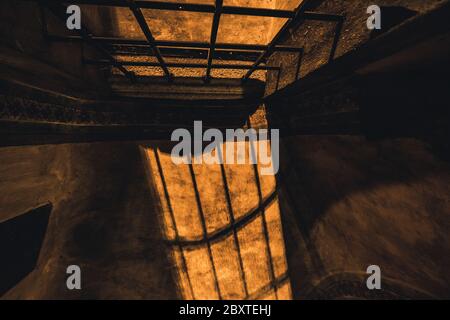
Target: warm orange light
[245, 262]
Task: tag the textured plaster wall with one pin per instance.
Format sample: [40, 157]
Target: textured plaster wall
[103, 220]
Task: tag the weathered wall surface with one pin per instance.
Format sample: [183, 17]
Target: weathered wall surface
[26, 56]
[316, 37]
[356, 203]
[103, 220]
[349, 202]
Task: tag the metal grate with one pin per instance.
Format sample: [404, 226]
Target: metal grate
[258, 54]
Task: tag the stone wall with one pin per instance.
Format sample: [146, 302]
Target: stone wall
[349, 203]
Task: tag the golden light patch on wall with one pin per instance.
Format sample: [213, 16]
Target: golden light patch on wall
[186, 72]
[226, 260]
[167, 223]
[181, 193]
[270, 295]
[201, 273]
[242, 186]
[287, 4]
[275, 231]
[254, 255]
[284, 292]
[275, 27]
[240, 253]
[212, 194]
[267, 4]
[184, 282]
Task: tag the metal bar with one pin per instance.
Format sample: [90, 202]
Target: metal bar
[283, 48]
[86, 36]
[191, 7]
[205, 230]
[181, 65]
[213, 38]
[264, 222]
[278, 77]
[184, 53]
[172, 217]
[148, 35]
[205, 8]
[337, 36]
[300, 13]
[318, 16]
[266, 233]
[281, 280]
[173, 6]
[178, 44]
[299, 64]
[260, 12]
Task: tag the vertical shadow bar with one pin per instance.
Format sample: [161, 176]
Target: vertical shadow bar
[278, 77]
[232, 223]
[263, 216]
[205, 231]
[297, 15]
[140, 19]
[299, 65]
[337, 36]
[213, 37]
[172, 217]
